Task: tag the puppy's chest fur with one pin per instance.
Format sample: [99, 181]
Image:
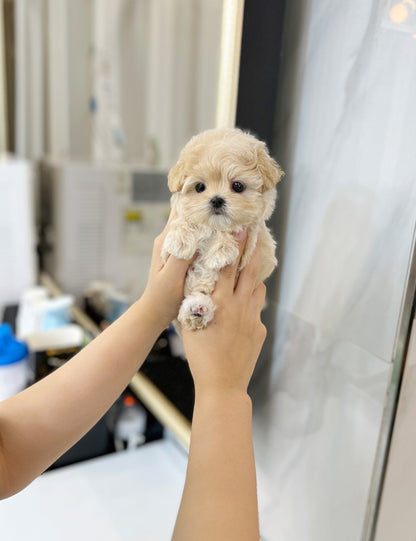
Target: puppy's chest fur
[215, 250]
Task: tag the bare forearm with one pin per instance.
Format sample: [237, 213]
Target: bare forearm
[40, 424]
[220, 497]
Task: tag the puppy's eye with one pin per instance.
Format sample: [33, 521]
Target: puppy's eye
[200, 187]
[238, 187]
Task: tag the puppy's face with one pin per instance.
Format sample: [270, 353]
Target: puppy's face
[224, 179]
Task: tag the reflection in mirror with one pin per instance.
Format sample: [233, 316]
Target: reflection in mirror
[107, 93]
[115, 81]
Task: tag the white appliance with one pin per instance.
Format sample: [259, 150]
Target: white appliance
[17, 229]
[100, 222]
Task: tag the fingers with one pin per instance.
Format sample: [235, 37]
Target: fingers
[247, 279]
[256, 305]
[178, 266]
[258, 297]
[226, 280]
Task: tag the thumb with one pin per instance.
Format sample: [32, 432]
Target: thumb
[241, 238]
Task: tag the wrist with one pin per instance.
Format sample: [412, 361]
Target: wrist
[222, 395]
[143, 311]
[154, 311]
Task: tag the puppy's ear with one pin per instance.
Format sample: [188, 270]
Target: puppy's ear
[176, 176]
[268, 168]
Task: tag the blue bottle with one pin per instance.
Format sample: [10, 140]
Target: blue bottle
[13, 363]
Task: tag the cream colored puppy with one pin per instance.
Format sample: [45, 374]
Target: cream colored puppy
[223, 183]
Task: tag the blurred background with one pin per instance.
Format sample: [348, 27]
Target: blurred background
[76, 71]
[101, 96]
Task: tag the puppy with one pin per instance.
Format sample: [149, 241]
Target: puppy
[224, 182]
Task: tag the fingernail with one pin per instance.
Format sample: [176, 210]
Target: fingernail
[241, 236]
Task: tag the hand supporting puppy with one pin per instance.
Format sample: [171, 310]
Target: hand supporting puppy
[164, 290]
[222, 356]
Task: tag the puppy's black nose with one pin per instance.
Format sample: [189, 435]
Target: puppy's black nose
[217, 202]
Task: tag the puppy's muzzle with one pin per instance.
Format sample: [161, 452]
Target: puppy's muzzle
[217, 204]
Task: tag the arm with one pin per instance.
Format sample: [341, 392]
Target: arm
[220, 496]
[42, 422]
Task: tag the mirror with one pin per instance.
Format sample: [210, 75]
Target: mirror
[106, 95]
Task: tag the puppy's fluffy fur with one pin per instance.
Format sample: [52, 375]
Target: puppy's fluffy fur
[223, 182]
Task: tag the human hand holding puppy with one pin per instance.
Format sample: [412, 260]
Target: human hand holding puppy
[222, 356]
[164, 290]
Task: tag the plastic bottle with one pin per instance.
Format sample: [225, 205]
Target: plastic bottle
[37, 312]
[26, 321]
[13, 363]
[130, 425]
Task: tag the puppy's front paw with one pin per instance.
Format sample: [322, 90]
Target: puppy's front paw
[196, 311]
[221, 256]
[180, 246]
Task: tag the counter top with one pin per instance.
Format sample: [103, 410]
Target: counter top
[118, 497]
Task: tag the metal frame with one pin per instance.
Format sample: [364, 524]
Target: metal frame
[395, 517]
[390, 419]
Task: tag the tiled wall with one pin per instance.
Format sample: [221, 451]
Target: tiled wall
[345, 135]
